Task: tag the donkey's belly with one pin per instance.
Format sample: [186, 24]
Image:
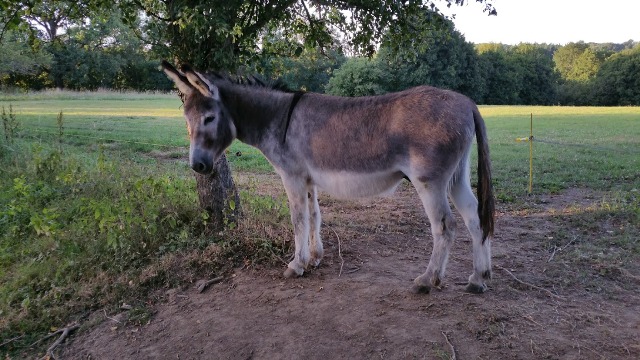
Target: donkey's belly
[346, 184]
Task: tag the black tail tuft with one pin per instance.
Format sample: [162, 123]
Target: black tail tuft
[486, 201]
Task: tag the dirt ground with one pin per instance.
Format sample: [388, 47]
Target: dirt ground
[357, 303]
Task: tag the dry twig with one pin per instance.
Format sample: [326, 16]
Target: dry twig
[110, 318]
[339, 252]
[556, 248]
[529, 285]
[453, 350]
[11, 340]
[64, 333]
[201, 285]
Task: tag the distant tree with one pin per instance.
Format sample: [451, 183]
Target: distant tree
[577, 61]
[53, 16]
[501, 77]
[566, 56]
[103, 53]
[536, 68]
[612, 48]
[439, 57]
[618, 81]
[20, 63]
[491, 47]
[358, 77]
[299, 67]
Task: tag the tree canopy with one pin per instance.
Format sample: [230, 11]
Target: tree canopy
[223, 34]
[87, 44]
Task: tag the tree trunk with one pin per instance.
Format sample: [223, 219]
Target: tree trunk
[218, 195]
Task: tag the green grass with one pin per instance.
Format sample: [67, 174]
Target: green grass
[143, 123]
[104, 216]
[597, 148]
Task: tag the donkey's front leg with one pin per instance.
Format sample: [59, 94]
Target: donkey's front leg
[298, 206]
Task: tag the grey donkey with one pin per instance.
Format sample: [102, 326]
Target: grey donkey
[352, 147]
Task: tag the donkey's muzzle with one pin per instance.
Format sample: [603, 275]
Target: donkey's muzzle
[201, 163]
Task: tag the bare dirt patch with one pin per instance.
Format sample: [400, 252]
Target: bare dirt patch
[357, 304]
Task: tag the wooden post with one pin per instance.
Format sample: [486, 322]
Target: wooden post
[218, 195]
[531, 157]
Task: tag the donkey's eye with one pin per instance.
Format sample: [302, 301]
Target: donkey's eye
[209, 119]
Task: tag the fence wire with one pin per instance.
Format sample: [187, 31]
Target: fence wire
[585, 146]
[106, 139]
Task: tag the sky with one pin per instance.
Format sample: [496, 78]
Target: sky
[549, 21]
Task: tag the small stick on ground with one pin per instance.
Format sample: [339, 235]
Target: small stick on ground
[555, 248]
[529, 285]
[11, 340]
[110, 318]
[65, 332]
[352, 270]
[339, 252]
[201, 285]
[453, 350]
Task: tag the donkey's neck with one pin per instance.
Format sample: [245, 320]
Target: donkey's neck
[259, 114]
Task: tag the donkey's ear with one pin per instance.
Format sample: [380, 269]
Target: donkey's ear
[215, 92]
[201, 83]
[182, 83]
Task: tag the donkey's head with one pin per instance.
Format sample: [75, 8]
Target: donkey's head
[210, 127]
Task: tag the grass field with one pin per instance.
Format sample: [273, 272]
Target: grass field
[105, 209]
[602, 143]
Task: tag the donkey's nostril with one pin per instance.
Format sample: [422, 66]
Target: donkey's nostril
[199, 167]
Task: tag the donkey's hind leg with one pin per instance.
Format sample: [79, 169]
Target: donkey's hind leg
[315, 242]
[467, 205]
[443, 224]
[298, 206]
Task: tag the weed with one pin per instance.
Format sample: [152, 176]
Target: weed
[139, 315]
[60, 123]
[63, 224]
[10, 124]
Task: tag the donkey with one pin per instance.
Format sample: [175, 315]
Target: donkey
[352, 147]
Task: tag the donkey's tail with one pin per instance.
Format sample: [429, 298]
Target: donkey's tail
[486, 202]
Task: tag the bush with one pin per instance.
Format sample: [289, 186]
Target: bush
[66, 221]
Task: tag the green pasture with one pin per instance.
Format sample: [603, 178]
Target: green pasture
[99, 215]
[596, 147]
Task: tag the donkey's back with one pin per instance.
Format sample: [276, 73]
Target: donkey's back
[366, 146]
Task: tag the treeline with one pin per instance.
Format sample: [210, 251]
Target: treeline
[105, 53]
[100, 53]
[497, 74]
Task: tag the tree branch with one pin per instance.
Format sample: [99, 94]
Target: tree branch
[150, 13]
[6, 24]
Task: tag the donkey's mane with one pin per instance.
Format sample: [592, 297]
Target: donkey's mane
[250, 80]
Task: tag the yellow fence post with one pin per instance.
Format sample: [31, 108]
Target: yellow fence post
[530, 140]
[531, 157]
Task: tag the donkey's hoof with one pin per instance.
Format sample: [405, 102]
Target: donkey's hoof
[475, 288]
[315, 262]
[290, 273]
[420, 289]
